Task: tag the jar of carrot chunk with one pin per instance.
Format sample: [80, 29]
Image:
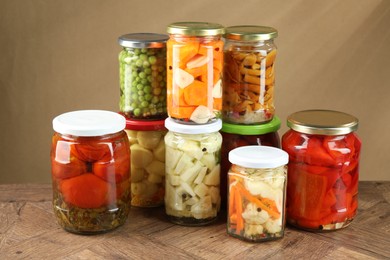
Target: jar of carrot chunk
[147, 162]
[90, 159]
[194, 65]
[256, 193]
[249, 74]
[323, 169]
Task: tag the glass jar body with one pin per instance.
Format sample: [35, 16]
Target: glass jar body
[91, 181]
[147, 167]
[194, 65]
[248, 81]
[323, 177]
[192, 177]
[142, 74]
[256, 203]
[233, 140]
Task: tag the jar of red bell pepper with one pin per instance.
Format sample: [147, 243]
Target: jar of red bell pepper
[194, 65]
[323, 169]
[90, 162]
[147, 162]
[234, 136]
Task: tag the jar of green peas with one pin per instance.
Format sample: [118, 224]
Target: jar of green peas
[142, 66]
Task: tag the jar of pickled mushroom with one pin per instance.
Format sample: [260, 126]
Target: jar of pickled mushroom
[194, 64]
[90, 163]
[234, 135]
[323, 169]
[142, 67]
[249, 74]
[192, 188]
[256, 196]
[147, 163]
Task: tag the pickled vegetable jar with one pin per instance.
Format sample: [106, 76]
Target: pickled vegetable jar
[192, 195]
[249, 74]
[147, 162]
[194, 64]
[257, 191]
[142, 66]
[323, 169]
[234, 136]
[90, 171]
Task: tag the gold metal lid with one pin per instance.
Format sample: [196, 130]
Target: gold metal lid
[196, 28]
[322, 122]
[250, 33]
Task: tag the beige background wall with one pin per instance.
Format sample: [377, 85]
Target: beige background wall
[58, 56]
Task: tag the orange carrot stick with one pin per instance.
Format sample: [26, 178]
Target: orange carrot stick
[238, 205]
[263, 203]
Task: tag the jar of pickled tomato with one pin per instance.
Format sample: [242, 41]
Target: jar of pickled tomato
[147, 150]
[194, 65]
[192, 189]
[234, 135]
[142, 74]
[249, 74]
[323, 170]
[90, 162]
[256, 196]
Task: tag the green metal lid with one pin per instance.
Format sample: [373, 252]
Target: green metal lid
[322, 122]
[196, 28]
[250, 33]
[269, 127]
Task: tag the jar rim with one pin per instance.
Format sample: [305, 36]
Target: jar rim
[151, 125]
[196, 28]
[250, 33]
[143, 40]
[322, 122]
[89, 123]
[258, 157]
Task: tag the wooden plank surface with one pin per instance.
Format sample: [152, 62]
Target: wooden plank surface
[28, 230]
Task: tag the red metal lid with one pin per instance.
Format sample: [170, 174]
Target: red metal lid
[152, 125]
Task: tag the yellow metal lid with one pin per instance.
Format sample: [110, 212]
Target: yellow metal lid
[322, 122]
[196, 28]
[250, 33]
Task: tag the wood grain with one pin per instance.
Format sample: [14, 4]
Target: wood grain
[28, 230]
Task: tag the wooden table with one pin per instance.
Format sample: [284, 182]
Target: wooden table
[28, 229]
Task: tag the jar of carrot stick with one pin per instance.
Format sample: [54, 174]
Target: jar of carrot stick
[194, 70]
[256, 193]
[90, 159]
[249, 74]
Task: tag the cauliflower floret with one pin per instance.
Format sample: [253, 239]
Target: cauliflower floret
[254, 215]
[273, 226]
[253, 229]
[260, 188]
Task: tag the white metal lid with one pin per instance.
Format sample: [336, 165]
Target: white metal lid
[89, 123]
[212, 127]
[259, 157]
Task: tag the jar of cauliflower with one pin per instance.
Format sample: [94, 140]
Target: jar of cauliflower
[192, 167]
[256, 193]
[147, 163]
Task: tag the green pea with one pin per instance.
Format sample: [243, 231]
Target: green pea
[148, 71]
[134, 96]
[140, 94]
[146, 64]
[137, 112]
[144, 81]
[143, 57]
[155, 100]
[140, 86]
[152, 59]
[144, 103]
[148, 97]
[142, 75]
[144, 50]
[148, 89]
[139, 63]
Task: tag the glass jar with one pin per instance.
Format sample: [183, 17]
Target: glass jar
[192, 195]
[194, 61]
[142, 67]
[147, 163]
[90, 171]
[257, 191]
[249, 74]
[234, 136]
[323, 169]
